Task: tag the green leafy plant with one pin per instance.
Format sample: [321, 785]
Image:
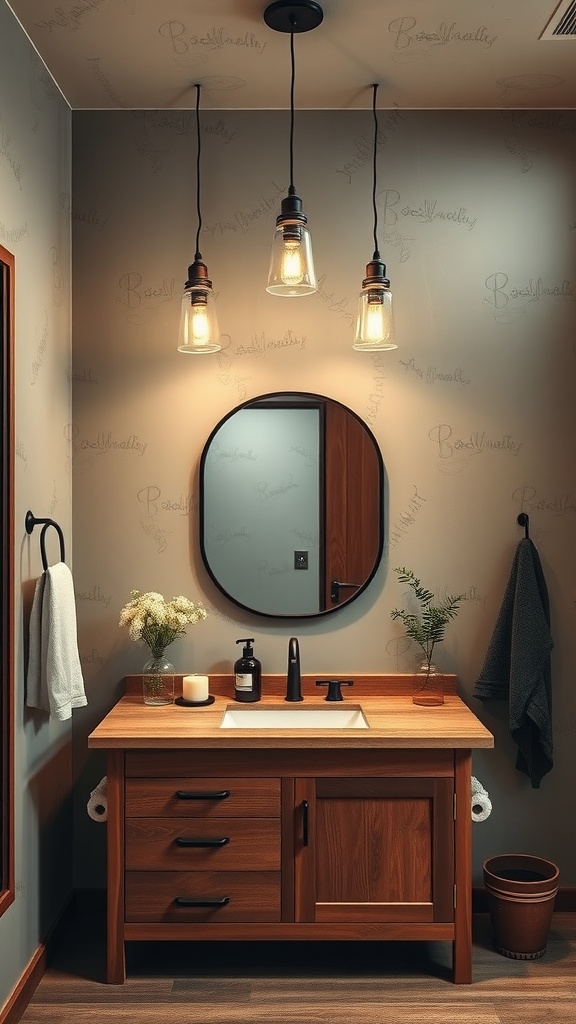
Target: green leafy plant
[427, 627]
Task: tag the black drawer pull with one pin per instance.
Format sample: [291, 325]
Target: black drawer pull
[186, 841]
[190, 794]
[305, 810]
[185, 901]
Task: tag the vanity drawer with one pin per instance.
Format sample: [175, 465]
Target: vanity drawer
[170, 844]
[231, 895]
[203, 798]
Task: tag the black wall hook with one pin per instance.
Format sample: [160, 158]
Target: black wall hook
[524, 520]
[31, 521]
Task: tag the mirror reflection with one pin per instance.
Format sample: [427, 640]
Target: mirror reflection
[291, 505]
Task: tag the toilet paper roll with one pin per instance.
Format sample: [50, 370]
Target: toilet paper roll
[480, 805]
[97, 805]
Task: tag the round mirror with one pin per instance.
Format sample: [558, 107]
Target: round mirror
[291, 505]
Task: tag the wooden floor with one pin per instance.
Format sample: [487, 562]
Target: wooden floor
[268, 983]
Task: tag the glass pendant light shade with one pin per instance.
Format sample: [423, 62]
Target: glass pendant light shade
[198, 332]
[375, 320]
[291, 271]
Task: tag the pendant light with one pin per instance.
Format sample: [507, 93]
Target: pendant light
[291, 272]
[375, 321]
[198, 332]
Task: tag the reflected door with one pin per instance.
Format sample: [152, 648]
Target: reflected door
[353, 527]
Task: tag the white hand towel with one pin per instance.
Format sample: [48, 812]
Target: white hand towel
[97, 805]
[54, 681]
[481, 806]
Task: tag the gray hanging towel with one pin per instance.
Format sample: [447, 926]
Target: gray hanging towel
[517, 663]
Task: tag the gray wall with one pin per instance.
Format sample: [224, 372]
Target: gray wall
[35, 225]
[473, 412]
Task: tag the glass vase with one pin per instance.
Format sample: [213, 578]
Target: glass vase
[428, 685]
[158, 680]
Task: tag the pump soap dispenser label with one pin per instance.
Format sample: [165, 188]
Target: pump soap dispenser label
[244, 681]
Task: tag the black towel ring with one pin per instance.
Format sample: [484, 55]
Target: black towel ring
[31, 521]
[524, 520]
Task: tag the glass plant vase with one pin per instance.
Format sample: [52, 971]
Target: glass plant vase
[158, 680]
[428, 685]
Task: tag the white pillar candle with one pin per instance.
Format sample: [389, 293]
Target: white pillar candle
[195, 688]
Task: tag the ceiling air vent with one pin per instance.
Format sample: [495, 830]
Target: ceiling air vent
[562, 24]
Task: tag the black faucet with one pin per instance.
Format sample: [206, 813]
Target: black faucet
[293, 687]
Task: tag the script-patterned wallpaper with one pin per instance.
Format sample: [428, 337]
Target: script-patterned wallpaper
[473, 412]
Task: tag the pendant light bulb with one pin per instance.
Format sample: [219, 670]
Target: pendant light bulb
[291, 271]
[200, 324]
[198, 331]
[375, 320]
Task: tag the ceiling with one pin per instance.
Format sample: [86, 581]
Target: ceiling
[448, 54]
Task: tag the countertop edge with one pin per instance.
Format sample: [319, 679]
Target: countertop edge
[395, 723]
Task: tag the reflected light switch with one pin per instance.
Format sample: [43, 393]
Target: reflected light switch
[300, 559]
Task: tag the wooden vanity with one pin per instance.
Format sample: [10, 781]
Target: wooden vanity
[293, 834]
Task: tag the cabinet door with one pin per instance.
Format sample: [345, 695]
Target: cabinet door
[379, 850]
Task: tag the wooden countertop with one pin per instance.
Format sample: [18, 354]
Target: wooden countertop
[394, 721]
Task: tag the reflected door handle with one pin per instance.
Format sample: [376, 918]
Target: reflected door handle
[336, 587]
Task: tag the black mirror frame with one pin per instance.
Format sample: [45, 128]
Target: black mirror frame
[309, 397]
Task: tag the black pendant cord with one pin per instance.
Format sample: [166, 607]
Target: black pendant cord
[198, 254]
[292, 190]
[376, 255]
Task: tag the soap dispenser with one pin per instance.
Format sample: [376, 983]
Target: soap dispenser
[247, 674]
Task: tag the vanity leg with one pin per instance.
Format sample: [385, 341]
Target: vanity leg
[115, 951]
[462, 945]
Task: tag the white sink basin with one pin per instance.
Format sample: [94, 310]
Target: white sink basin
[294, 718]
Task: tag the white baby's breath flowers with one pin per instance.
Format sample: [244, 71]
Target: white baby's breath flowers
[158, 622]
